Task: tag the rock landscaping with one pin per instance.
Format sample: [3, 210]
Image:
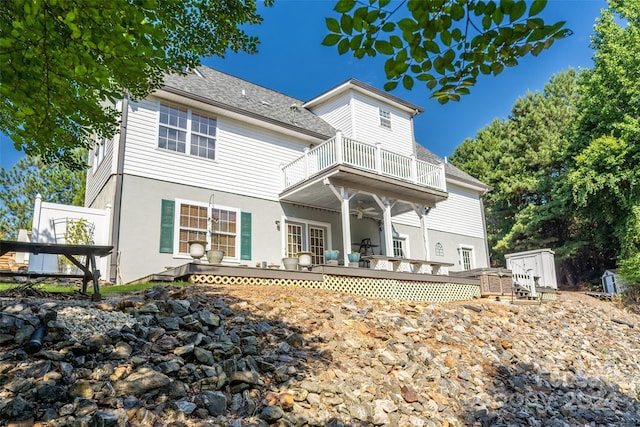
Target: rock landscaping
[240, 356]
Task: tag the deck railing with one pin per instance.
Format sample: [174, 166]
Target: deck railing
[522, 278]
[373, 158]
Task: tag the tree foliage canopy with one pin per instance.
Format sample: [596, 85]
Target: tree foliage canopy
[29, 177]
[565, 166]
[446, 44]
[605, 179]
[64, 63]
[523, 158]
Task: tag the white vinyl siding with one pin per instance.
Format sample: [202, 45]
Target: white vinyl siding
[337, 113]
[247, 160]
[461, 213]
[99, 174]
[367, 128]
[385, 118]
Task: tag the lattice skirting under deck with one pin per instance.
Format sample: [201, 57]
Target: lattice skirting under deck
[369, 287]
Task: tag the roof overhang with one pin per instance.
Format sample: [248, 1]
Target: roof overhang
[316, 192]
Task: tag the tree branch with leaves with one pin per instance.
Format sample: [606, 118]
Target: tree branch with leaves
[447, 44]
[65, 63]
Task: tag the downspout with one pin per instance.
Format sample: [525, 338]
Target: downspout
[117, 202]
[484, 223]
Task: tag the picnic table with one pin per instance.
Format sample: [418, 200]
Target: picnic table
[89, 271]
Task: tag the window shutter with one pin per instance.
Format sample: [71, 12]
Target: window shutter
[167, 217]
[245, 235]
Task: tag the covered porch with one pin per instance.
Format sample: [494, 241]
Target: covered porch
[360, 180]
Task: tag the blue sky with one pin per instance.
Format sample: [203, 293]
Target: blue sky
[292, 61]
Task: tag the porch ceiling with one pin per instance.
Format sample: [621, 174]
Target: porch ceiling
[316, 193]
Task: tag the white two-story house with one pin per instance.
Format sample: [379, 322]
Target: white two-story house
[262, 175]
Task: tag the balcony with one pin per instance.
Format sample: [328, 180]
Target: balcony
[342, 151]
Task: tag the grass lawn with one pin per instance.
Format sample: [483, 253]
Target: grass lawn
[48, 287]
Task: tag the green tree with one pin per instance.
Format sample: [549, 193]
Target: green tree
[605, 178]
[446, 44]
[64, 63]
[523, 158]
[29, 177]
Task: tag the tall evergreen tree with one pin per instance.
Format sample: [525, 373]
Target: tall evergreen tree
[523, 158]
[606, 176]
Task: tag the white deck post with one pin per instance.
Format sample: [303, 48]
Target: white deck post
[385, 205]
[346, 225]
[306, 162]
[342, 194]
[339, 147]
[414, 169]
[443, 178]
[378, 157]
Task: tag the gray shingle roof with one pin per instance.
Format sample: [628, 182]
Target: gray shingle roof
[423, 153]
[232, 93]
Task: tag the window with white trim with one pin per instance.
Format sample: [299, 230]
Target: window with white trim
[466, 257]
[385, 118]
[185, 131]
[194, 222]
[398, 247]
[303, 236]
[439, 249]
[98, 152]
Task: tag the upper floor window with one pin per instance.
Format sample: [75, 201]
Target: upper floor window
[98, 153]
[385, 118]
[439, 249]
[184, 131]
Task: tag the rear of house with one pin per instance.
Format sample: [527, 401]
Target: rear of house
[262, 175]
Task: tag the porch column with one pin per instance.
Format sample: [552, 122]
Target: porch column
[342, 194]
[385, 205]
[346, 225]
[422, 212]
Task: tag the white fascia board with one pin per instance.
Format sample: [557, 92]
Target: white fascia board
[466, 184]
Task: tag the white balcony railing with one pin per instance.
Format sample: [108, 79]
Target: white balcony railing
[522, 277]
[373, 158]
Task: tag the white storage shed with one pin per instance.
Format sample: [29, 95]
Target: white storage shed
[540, 264]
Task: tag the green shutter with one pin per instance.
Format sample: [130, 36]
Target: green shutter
[245, 235]
[167, 217]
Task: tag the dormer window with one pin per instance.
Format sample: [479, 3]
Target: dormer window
[385, 118]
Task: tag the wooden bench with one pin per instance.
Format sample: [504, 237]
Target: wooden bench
[407, 265]
[88, 269]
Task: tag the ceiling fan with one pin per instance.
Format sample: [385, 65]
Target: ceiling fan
[361, 211]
